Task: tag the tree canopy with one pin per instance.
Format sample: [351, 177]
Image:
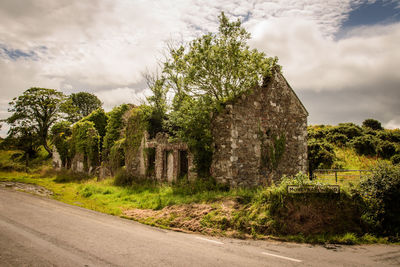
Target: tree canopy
[207, 72]
[34, 112]
[80, 105]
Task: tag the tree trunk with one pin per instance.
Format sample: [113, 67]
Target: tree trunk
[47, 148]
[26, 162]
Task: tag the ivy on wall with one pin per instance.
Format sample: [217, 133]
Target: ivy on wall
[272, 150]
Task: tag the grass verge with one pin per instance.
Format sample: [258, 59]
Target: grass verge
[243, 213]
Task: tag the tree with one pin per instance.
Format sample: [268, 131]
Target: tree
[114, 128]
[220, 66]
[34, 112]
[206, 73]
[80, 105]
[372, 124]
[158, 103]
[23, 138]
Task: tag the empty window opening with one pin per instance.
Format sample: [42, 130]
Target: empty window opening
[183, 163]
[151, 159]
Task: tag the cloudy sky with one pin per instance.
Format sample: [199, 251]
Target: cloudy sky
[341, 57]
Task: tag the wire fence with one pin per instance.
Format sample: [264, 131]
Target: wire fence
[340, 177]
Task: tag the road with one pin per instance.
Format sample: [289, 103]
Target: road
[36, 231]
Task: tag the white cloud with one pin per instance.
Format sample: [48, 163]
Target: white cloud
[103, 46]
[393, 124]
[117, 96]
[368, 55]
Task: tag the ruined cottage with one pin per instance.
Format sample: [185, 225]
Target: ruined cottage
[161, 159]
[260, 136]
[257, 138]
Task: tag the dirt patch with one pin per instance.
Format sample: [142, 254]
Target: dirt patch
[29, 188]
[201, 218]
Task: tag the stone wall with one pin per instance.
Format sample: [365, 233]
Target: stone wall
[244, 131]
[167, 159]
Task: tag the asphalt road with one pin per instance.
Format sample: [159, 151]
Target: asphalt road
[36, 231]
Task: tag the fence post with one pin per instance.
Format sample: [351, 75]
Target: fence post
[336, 176]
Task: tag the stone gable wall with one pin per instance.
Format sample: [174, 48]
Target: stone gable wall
[239, 129]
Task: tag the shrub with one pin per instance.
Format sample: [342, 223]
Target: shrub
[386, 149]
[348, 129]
[372, 124]
[320, 155]
[338, 139]
[123, 178]
[67, 176]
[364, 145]
[381, 190]
[395, 159]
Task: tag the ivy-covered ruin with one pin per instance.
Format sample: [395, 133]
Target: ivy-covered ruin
[233, 116]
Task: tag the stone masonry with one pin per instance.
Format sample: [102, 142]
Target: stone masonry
[161, 159]
[246, 127]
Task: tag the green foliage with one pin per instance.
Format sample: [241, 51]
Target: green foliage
[33, 113]
[135, 128]
[67, 176]
[338, 139]
[80, 105]
[271, 153]
[364, 145]
[320, 155]
[85, 140]
[386, 149]
[61, 134]
[117, 155]
[191, 123]
[395, 159]
[209, 71]
[114, 128]
[99, 118]
[158, 104]
[372, 124]
[123, 178]
[219, 65]
[348, 129]
[381, 191]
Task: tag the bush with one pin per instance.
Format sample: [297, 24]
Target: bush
[67, 176]
[364, 145]
[123, 178]
[320, 155]
[372, 124]
[337, 138]
[381, 191]
[395, 159]
[386, 149]
[348, 129]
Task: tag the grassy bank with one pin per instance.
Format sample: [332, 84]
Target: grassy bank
[243, 213]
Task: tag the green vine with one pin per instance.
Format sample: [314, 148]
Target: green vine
[271, 152]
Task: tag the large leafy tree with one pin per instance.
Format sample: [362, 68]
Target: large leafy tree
[34, 112]
[210, 70]
[80, 105]
[217, 65]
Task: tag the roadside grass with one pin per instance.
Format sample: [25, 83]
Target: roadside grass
[248, 219]
[348, 159]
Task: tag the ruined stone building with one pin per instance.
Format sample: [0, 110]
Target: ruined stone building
[161, 159]
[258, 137]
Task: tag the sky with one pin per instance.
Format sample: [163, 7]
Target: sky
[341, 57]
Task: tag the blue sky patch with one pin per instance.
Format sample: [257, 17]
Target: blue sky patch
[15, 54]
[380, 12]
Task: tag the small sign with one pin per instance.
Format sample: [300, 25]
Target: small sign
[324, 189]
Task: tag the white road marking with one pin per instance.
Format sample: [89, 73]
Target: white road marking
[282, 257]
[209, 240]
